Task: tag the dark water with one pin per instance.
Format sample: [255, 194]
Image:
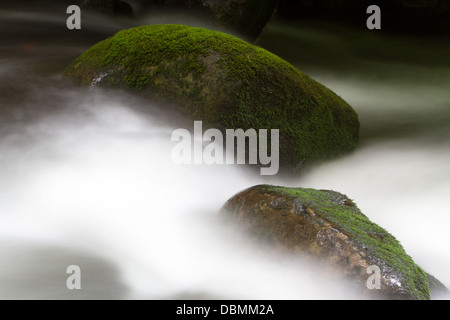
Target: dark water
[87, 179]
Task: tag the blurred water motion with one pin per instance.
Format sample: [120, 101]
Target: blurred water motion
[86, 176]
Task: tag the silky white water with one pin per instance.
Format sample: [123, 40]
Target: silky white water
[86, 179]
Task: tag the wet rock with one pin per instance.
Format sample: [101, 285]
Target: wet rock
[327, 227]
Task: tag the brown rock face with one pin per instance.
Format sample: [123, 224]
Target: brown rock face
[328, 228]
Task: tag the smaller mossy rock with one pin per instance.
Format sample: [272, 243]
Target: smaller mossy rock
[328, 227]
[225, 82]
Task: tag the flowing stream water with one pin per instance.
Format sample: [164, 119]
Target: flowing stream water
[86, 176]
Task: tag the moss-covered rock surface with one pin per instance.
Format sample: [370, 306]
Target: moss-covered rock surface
[328, 226]
[225, 82]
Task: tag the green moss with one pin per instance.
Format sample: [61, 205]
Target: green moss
[387, 250]
[225, 82]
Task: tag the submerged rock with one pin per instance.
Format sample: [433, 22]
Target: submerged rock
[225, 82]
[328, 227]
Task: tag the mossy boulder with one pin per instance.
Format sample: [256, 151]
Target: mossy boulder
[329, 228]
[226, 83]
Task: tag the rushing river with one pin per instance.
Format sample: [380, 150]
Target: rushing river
[86, 176]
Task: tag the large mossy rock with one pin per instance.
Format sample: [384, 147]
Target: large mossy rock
[245, 17]
[328, 227]
[225, 82]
